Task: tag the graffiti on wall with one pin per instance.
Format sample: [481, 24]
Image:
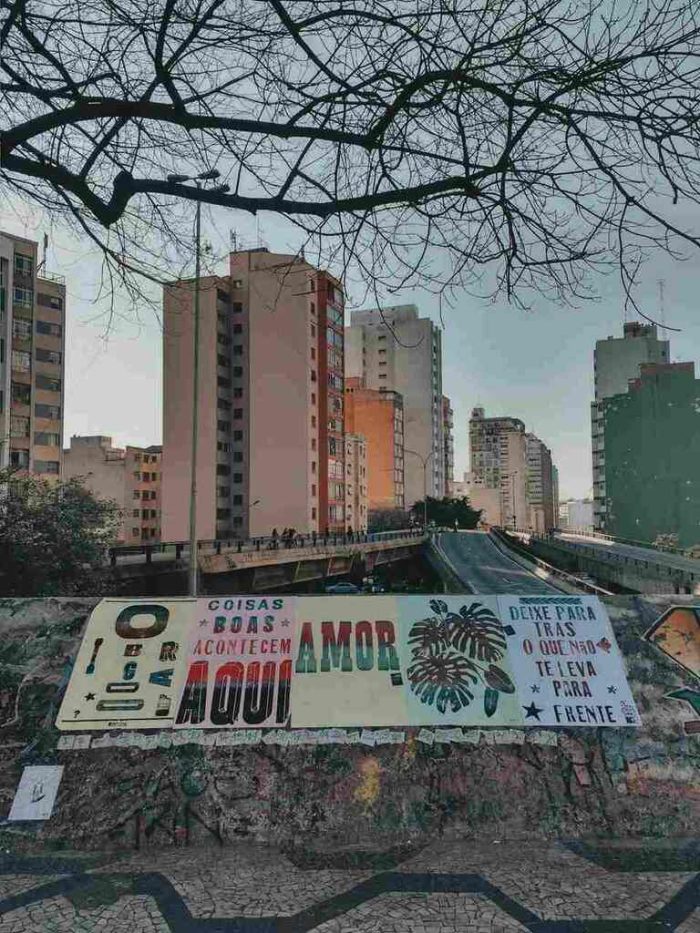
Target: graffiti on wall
[308, 662]
[677, 635]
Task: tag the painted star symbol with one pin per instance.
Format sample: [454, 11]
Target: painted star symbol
[89, 696]
[203, 622]
[532, 712]
[535, 688]
[612, 689]
[285, 622]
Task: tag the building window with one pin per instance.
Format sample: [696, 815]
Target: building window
[238, 500]
[222, 469]
[21, 361]
[47, 439]
[238, 477]
[223, 492]
[313, 421]
[222, 446]
[222, 360]
[223, 405]
[137, 475]
[223, 340]
[48, 383]
[238, 328]
[313, 489]
[238, 435]
[313, 398]
[238, 392]
[313, 466]
[46, 466]
[313, 513]
[238, 283]
[237, 413]
[135, 513]
[144, 513]
[237, 521]
[49, 301]
[237, 457]
[313, 375]
[238, 371]
[134, 532]
[313, 306]
[47, 411]
[222, 514]
[46, 327]
[237, 307]
[223, 383]
[21, 329]
[313, 443]
[313, 353]
[238, 350]
[23, 297]
[313, 330]
[24, 265]
[137, 494]
[19, 426]
[48, 356]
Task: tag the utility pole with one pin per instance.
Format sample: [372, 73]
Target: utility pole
[177, 180]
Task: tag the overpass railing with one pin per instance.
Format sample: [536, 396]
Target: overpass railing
[616, 539]
[177, 550]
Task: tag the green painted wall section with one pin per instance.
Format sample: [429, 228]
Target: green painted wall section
[652, 453]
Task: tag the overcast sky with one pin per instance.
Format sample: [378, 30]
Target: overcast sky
[536, 365]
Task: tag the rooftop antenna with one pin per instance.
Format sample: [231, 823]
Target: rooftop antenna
[662, 306]
[42, 264]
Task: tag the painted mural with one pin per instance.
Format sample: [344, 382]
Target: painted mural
[356, 661]
[677, 635]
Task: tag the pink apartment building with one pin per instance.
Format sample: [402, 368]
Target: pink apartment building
[271, 439]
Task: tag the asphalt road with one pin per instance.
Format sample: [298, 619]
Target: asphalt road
[677, 561]
[482, 566]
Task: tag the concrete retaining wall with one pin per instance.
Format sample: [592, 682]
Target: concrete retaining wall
[644, 782]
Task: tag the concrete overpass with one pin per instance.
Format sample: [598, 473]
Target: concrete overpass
[258, 565]
[631, 567]
[478, 562]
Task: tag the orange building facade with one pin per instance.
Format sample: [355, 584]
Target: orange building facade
[377, 414]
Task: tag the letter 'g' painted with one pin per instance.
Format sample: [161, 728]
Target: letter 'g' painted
[125, 629]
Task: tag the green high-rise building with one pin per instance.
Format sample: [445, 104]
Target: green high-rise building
[652, 455]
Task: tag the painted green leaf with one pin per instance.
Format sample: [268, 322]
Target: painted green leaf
[490, 701]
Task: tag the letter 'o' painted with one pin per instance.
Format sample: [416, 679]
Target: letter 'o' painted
[124, 628]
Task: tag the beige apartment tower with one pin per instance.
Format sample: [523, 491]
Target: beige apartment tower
[356, 482]
[395, 349]
[32, 359]
[271, 434]
[499, 470]
[129, 476]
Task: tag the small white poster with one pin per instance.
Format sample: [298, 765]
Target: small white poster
[568, 668]
[36, 793]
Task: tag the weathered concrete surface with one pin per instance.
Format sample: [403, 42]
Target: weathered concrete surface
[623, 782]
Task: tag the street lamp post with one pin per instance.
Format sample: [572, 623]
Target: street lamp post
[424, 461]
[197, 179]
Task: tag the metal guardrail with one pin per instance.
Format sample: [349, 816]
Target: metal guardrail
[625, 559]
[550, 568]
[176, 550]
[648, 545]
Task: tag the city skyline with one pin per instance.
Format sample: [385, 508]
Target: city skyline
[502, 357]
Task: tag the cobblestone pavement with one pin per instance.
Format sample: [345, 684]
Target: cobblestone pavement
[448, 887]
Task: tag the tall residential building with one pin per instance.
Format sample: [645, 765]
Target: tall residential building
[32, 359]
[377, 414]
[540, 484]
[499, 469]
[130, 476]
[576, 515]
[356, 482]
[393, 348]
[616, 360]
[652, 450]
[270, 414]
[555, 494]
[448, 444]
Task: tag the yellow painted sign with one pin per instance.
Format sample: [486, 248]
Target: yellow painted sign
[128, 672]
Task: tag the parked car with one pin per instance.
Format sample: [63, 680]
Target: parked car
[342, 589]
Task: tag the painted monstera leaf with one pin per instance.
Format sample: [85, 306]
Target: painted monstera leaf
[476, 631]
[429, 636]
[443, 680]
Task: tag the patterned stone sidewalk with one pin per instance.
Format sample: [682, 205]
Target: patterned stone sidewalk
[449, 887]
